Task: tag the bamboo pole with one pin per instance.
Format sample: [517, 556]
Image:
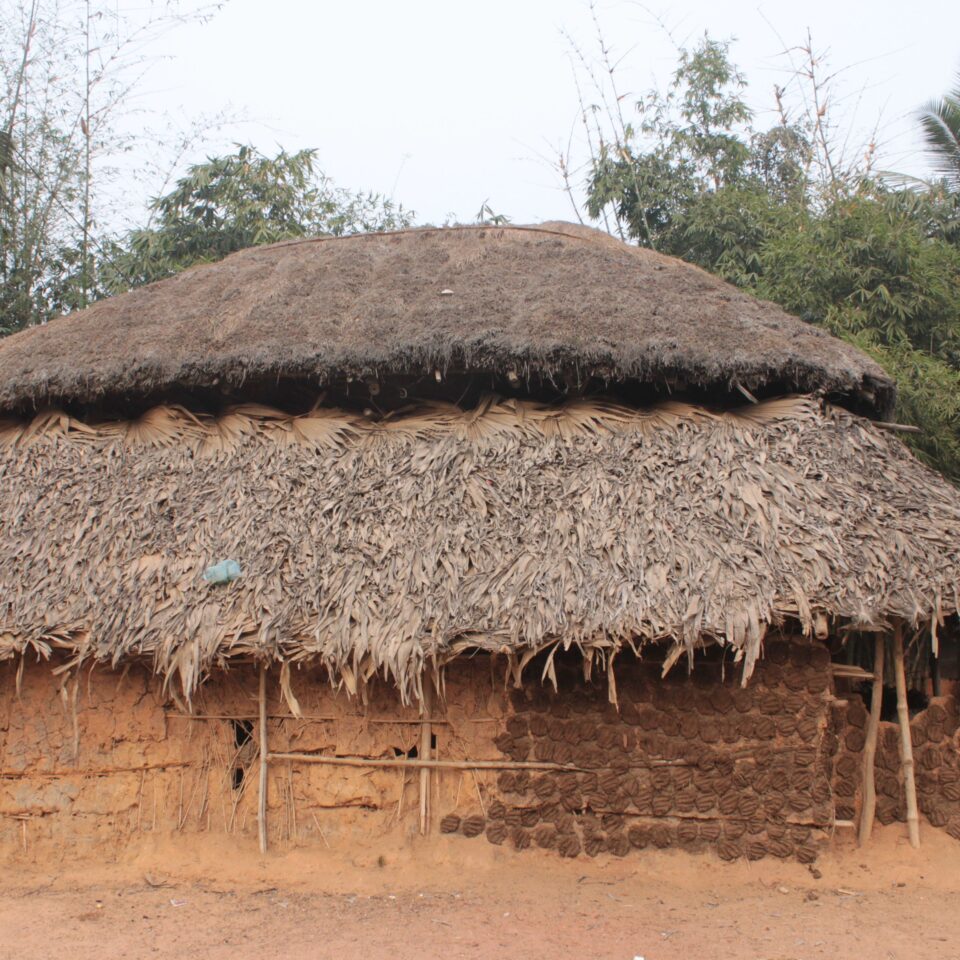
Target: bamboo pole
[347, 717]
[424, 753]
[906, 747]
[869, 809]
[95, 772]
[935, 674]
[262, 800]
[404, 762]
[451, 764]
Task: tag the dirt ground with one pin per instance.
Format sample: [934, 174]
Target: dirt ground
[448, 899]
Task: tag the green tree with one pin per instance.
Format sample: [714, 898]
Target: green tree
[243, 200]
[693, 178]
[775, 211]
[68, 73]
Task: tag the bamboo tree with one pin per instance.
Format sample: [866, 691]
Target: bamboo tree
[67, 74]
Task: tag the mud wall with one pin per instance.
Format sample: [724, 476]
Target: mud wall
[693, 762]
[94, 762]
[91, 763]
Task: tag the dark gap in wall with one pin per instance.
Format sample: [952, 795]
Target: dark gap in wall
[242, 732]
[916, 701]
[242, 735]
[413, 752]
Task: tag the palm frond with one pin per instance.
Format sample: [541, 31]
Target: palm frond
[940, 120]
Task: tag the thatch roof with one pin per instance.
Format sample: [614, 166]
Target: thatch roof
[387, 546]
[555, 302]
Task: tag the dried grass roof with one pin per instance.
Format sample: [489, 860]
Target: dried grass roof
[555, 301]
[387, 546]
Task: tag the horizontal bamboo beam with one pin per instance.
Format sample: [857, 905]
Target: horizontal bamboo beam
[709, 818]
[421, 764]
[100, 772]
[448, 764]
[849, 671]
[897, 427]
[313, 717]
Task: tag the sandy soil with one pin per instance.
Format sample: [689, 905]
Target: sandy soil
[448, 899]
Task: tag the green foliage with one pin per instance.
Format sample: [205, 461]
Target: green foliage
[487, 217]
[68, 71]
[867, 263]
[928, 396]
[773, 212]
[940, 121]
[243, 200]
[691, 144]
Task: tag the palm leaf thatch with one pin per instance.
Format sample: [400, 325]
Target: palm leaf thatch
[385, 547]
[555, 303]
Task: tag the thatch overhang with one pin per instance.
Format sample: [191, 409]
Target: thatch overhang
[555, 304]
[385, 547]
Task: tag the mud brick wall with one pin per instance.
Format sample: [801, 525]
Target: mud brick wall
[692, 762]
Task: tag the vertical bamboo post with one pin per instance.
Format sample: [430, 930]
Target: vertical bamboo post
[906, 747]
[869, 809]
[262, 800]
[424, 753]
[935, 674]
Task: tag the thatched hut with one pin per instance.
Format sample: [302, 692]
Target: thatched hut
[575, 533]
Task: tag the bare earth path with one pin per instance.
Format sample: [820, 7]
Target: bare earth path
[454, 900]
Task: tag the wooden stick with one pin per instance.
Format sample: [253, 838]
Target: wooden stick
[140, 800]
[176, 714]
[293, 803]
[476, 784]
[424, 753]
[448, 764]
[710, 818]
[404, 762]
[262, 803]
[323, 836]
[869, 809]
[180, 803]
[897, 427]
[906, 746]
[97, 772]
[850, 671]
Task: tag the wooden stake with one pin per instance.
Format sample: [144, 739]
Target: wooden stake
[424, 753]
[262, 804]
[906, 746]
[869, 809]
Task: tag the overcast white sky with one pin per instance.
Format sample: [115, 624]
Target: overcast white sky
[446, 103]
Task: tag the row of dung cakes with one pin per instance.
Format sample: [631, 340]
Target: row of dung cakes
[935, 736]
[696, 762]
[774, 782]
[592, 833]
